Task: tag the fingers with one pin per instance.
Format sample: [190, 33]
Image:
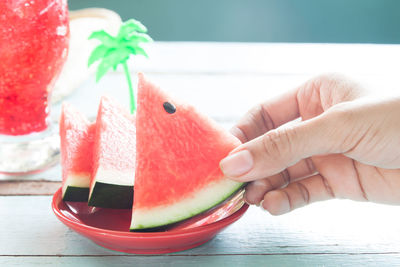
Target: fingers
[267, 116]
[256, 190]
[297, 195]
[280, 148]
[301, 169]
[308, 100]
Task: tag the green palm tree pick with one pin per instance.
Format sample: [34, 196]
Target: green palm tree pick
[115, 50]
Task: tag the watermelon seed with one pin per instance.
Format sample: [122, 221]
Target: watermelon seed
[170, 108]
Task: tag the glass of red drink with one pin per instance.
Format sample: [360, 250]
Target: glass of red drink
[34, 37]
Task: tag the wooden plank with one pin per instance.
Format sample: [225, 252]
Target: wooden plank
[205, 260]
[29, 228]
[28, 188]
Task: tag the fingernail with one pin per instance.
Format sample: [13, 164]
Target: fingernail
[237, 163]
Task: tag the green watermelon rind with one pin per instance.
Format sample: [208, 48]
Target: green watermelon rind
[171, 217]
[112, 189]
[113, 174]
[111, 196]
[76, 134]
[163, 228]
[76, 194]
[76, 187]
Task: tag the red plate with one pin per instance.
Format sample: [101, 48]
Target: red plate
[110, 227]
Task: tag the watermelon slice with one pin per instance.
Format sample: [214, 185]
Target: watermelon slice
[178, 152]
[113, 157]
[76, 136]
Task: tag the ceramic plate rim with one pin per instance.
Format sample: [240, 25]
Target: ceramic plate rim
[179, 232]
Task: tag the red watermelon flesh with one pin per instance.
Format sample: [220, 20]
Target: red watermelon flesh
[113, 157]
[76, 136]
[177, 166]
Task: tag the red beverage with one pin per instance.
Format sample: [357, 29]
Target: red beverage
[34, 38]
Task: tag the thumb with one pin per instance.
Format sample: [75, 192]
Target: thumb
[280, 148]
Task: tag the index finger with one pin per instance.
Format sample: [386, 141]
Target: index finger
[267, 116]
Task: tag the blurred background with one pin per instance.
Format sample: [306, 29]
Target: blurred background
[308, 21]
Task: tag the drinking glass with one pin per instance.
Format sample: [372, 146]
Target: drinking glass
[34, 37]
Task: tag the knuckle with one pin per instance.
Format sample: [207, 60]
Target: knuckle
[285, 177]
[330, 80]
[340, 112]
[338, 87]
[267, 121]
[335, 87]
[304, 193]
[341, 120]
[278, 143]
[322, 80]
[323, 90]
[260, 118]
[252, 113]
[310, 165]
[252, 124]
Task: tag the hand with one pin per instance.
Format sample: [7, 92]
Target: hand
[347, 145]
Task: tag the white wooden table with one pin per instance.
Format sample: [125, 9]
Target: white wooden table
[223, 80]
